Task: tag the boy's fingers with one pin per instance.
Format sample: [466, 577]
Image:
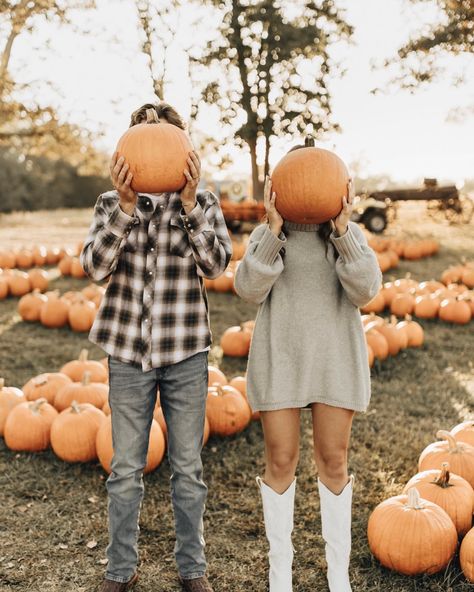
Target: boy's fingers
[129, 179]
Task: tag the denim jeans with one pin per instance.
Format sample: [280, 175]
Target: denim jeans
[183, 392]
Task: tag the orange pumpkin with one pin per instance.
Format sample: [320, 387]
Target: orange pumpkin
[28, 426]
[464, 432]
[388, 291]
[39, 279]
[459, 455]
[156, 154]
[9, 397]
[450, 492]
[377, 304]
[54, 312]
[24, 258]
[76, 368]
[81, 315]
[309, 184]
[19, 283]
[40, 255]
[3, 287]
[455, 311]
[402, 304]
[95, 393]
[45, 386]
[235, 342]
[52, 256]
[426, 306]
[240, 384]
[225, 282]
[466, 555]
[227, 410]
[65, 265]
[30, 305]
[377, 342]
[414, 331]
[216, 376]
[77, 270]
[402, 528]
[74, 432]
[156, 446]
[391, 335]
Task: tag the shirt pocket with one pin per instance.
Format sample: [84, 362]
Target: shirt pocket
[131, 241]
[179, 240]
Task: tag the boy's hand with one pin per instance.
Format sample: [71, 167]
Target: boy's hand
[121, 180]
[275, 220]
[340, 223]
[193, 175]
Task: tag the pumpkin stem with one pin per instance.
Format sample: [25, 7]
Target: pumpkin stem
[308, 142]
[414, 500]
[75, 407]
[35, 407]
[445, 435]
[151, 116]
[40, 380]
[83, 355]
[2, 383]
[86, 378]
[408, 318]
[443, 478]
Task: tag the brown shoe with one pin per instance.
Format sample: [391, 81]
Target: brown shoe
[196, 585]
[111, 586]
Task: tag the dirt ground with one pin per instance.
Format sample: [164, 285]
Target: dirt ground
[50, 510]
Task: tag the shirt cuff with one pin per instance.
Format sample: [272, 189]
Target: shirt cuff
[347, 246]
[120, 224]
[195, 222]
[269, 247]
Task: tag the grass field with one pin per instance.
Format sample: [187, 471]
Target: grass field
[50, 510]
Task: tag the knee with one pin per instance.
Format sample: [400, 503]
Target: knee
[282, 463]
[332, 463]
[125, 487]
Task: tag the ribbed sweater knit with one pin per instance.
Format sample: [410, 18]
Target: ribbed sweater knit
[308, 344]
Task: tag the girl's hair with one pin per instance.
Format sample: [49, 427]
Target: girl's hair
[162, 110]
[325, 229]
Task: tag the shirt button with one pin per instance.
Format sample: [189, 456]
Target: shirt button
[152, 249]
[191, 230]
[162, 207]
[146, 320]
[150, 273]
[147, 202]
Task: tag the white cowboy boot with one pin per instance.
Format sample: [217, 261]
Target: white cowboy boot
[336, 530]
[278, 517]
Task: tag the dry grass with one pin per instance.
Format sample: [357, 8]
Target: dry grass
[50, 510]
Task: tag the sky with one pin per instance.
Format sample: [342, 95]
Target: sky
[99, 78]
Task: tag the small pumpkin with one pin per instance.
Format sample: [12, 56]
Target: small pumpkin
[225, 282]
[426, 306]
[216, 376]
[76, 368]
[414, 331]
[377, 304]
[65, 265]
[235, 342]
[377, 342]
[10, 397]
[19, 283]
[227, 410]
[4, 288]
[459, 455]
[158, 416]
[28, 426]
[411, 535]
[156, 446]
[45, 386]
[455, 311]
[54, 312]
[402, 304]
[450, 492]
[24, 259]
[81, 315]
[30, 305]
[77, 270]
[85, 391]
[74, 432]
[240, 384]
[40, 255]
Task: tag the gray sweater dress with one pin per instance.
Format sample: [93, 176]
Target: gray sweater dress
[308, 344]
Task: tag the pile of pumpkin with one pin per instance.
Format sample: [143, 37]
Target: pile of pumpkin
[14, 282]
[248, 209]
[73, 308]
[453, 303]
[235, 341]
[459, 274]
[37, 256]
[418, 531]
[403, 249]
[69, 411]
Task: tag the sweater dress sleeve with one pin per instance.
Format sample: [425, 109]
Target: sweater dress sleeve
[261, 265]
[357, 266]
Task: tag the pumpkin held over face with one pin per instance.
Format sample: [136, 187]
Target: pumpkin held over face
[156, 153]
[309, 184]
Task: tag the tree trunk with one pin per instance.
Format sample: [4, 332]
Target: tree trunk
[257, 185]
[266, 168]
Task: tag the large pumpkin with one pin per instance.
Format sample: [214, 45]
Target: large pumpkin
[45, 386]
[309, 184]
[28, 426]
[227, 410]
[156, 154]
[74, 432]
[459, 455]
[450, 492]
[76, 368]
[411, 535]
[95, 393]
[10, 397]
[156, 446]
[466, 555]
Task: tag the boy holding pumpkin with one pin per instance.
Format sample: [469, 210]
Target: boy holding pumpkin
[156, 248]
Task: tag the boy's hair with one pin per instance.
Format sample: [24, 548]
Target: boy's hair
[162, 110]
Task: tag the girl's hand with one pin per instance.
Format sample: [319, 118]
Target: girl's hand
[121, 180]
[193, 175]
[275, 221]
[340, 223]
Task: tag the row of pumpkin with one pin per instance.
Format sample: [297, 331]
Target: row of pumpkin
[73, 416]
[417, 532]
[431, 299]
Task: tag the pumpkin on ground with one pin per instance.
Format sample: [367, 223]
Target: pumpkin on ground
[464, 432]
[81, 315]
[156, 154]
[39, 279]
[466, 556]
[77, 270]
[76, 368]
[85, 391]
[74, 432]
[54, 312]
[28, 426]
[240, 383]
[158, 416]
[309, 184]
[227, 410]
[19, 283]
[377, 342]
[10, 397]
[4, 289]
[459, 455]
[156, 446]
[216, 376]
[235, 342]
[411, 535]
[455, 311]
[30, 305]
[450, 492]
[414, 331]
[45, 386]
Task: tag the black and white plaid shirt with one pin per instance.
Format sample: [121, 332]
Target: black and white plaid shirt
[155, 312]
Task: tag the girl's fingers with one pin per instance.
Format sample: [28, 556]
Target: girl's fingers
[195, 158]
[187, 175]
[344, 202]
[192, 169]
[123, 173]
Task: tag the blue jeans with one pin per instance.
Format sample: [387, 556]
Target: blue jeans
[183, 392]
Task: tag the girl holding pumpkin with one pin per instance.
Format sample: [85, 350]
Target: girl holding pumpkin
[308, 351]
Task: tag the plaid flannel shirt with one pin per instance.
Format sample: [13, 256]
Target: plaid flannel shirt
[155, 311]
